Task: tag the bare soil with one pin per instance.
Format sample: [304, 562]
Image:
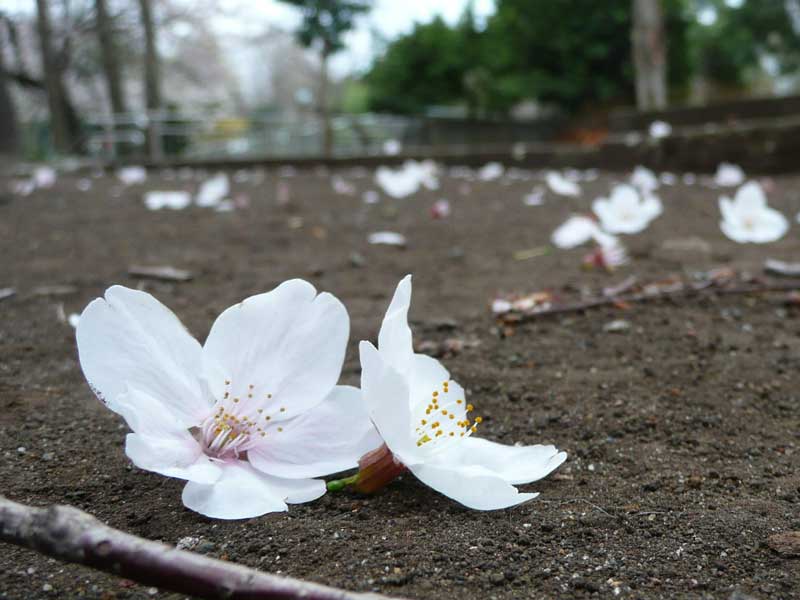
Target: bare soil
[682, 431]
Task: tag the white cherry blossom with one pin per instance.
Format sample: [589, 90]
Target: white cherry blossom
[250, 418]
[748, 218]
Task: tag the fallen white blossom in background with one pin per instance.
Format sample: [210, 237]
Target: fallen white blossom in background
[562, 186]
[44, 177]
[370, 197]
[660, 129]
[607, 257]
[535, 197]
[248, 419]
[405, 181]
[668, 178]
[578, 230]
[174, 200]
[388, 238]
[397, 183]
[644, 179]
[427, 425]
[84, 184]
[440, 209]
[392, 147]
[132, 175]
[22, 187]
[213, 191]
[729, 175]
[342, 186]
[748, 218]
[491, 171]
[626, 211]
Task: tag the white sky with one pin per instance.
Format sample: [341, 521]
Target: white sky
[387, 20]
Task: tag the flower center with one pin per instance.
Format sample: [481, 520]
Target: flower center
[443, 419]
[749, 223]
[237, 424]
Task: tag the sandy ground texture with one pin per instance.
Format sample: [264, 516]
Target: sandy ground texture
[682, 430]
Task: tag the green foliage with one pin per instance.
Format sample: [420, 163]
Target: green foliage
[420, 69]
[326, 21]
[574, 53]
[729, 49]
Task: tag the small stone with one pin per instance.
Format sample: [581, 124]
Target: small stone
[22, 450]
[47, 587]
[48, 456]
[786, 544]
[205, 547]
[357, 260]
[187, 543]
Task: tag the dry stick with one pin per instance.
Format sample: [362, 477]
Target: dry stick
[706, 288]
[71, 535]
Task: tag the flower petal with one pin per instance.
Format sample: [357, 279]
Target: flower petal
[129, 339]
[171, 456]
[474, 487]
[394, 339]
[329, 438]
[515, 464]
[159, 442]
[284, 348]
[242, 492]
[385, 394]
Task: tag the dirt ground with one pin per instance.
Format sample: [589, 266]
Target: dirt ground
[682, 432]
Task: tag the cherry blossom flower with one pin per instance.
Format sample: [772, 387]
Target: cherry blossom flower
[490, 171]
[388, 238]
[248, 419]
[561, 185]
[427, 426]
[213, 191]
[44, 177]
[607, 257]
[578, 230]
[392, 147]
[729, 175]
[659, 130]
[747, 218]
[644, 179]
[440, 209]
[174, 200]
[625, 211]
[132, 175]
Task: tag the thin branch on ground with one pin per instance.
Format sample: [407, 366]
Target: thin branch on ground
[71, 535]
[706, 288]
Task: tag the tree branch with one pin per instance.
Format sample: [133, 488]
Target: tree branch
[71, 535]
[706, 288]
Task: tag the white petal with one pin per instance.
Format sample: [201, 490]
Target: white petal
[242, 492]
[179, 457]
[130, 339]
[427, 374]
[386, 396]
[329, 438]
[751, 197]
[515, 464]
[394, 339]
[734, 231]
[474, 487]
[288, 343]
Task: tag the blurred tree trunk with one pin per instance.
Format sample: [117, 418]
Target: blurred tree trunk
[111, 67]
[648, 43]
[9, 130]
[52, 69]
[152, 77]
[322, 108]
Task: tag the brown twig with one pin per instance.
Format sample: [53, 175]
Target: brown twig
[71, 535]
[703, 288]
